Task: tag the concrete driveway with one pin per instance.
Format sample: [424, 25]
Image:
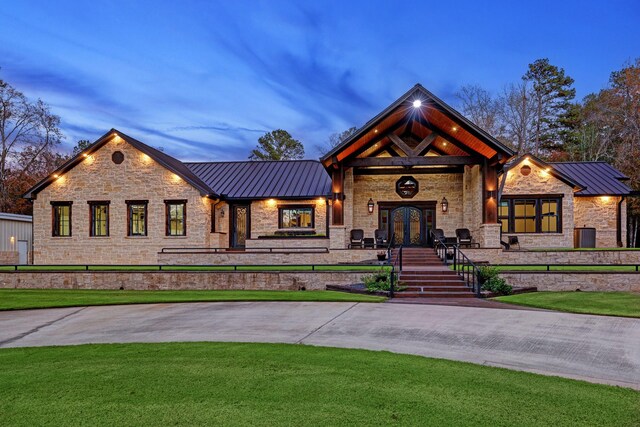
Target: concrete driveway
[593, 348]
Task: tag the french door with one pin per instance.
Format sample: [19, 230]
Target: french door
[240, 223]
[408, 225]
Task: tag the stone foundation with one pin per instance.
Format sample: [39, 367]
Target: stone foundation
[182, 280]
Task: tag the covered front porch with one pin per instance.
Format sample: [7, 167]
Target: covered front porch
[416, 167]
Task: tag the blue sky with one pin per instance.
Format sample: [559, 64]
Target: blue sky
[205, 79]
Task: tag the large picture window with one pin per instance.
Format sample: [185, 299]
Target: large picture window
[176, 211]
[531, 214]
[296, 217]
[98, 219]
[137, 217]
[61, 219]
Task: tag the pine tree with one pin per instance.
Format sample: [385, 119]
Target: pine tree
[277, 145]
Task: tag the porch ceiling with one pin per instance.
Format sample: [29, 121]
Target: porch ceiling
[430, 129]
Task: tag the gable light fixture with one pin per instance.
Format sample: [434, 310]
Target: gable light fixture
[445, 205]
[417, 103]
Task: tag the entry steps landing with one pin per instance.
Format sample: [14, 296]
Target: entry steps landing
[424, 275]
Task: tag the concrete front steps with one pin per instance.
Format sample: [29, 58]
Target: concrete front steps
[424, 275]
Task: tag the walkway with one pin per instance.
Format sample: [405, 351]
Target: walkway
[593, 348]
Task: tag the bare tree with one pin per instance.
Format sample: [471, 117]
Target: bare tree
[28, 131]
[481, 107]
[517, 111]
[334, 140]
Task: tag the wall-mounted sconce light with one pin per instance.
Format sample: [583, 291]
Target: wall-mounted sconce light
[445, 205]
[221, 212]
[338, 196]
[370, 206]
[491, 194]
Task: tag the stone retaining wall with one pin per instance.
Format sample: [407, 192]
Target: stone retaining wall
[564, 281]
[498, 256]
[268, 258]
[182, 280]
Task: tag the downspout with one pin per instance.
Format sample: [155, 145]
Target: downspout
[619, 223]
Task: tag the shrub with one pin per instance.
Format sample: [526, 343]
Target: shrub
[380, 281]
[491, 281]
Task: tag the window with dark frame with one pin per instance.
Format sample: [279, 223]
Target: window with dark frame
[137, 217]
[99, 219]
[530, 214]
[61, 219]
[176, 217]
[296, 217]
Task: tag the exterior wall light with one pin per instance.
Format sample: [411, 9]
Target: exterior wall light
[491, 194]
[445, 205]
[222, 212]
[370, 206]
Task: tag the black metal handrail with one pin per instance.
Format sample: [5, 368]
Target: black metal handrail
[213, 268]
[467, 270]
[462, 265]
[394, 270]
[204, 250]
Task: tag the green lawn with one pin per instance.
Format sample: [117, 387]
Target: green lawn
[14, 299]
[280, 384]
[339, 267]
[574, 268]
[608, 303]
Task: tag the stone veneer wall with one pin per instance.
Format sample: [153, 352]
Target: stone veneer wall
[98, 178]
[541, 182]
[382, 188]
[563, 281]
[179, 280]
[601, 213]
[264, 215]
[9, 257]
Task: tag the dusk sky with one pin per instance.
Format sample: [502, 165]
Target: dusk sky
[204, 80]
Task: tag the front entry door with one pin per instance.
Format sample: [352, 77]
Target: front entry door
[407, 226]
[239, 226]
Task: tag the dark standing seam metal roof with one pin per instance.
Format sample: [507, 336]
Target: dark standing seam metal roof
[598, 178]
[296, 179]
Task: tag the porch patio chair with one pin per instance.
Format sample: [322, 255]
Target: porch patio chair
[464, 237]
[356, 238]
[438, 234]
[382, 239]
[513, 240]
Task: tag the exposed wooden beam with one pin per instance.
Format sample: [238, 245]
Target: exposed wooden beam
[449, 138]
[391, 151]
[413, 161]
[424, 144]
[380, 136]
[401, 171]
[401, 144]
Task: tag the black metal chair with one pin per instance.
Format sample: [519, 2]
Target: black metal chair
[464, 237]
[356, 238]
[513, 240]
[438, 234]
[382, 238]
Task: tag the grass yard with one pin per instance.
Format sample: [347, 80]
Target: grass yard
[15, 299]
[337, 267]
[574, 268]
[625, 304]
[280, 384]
